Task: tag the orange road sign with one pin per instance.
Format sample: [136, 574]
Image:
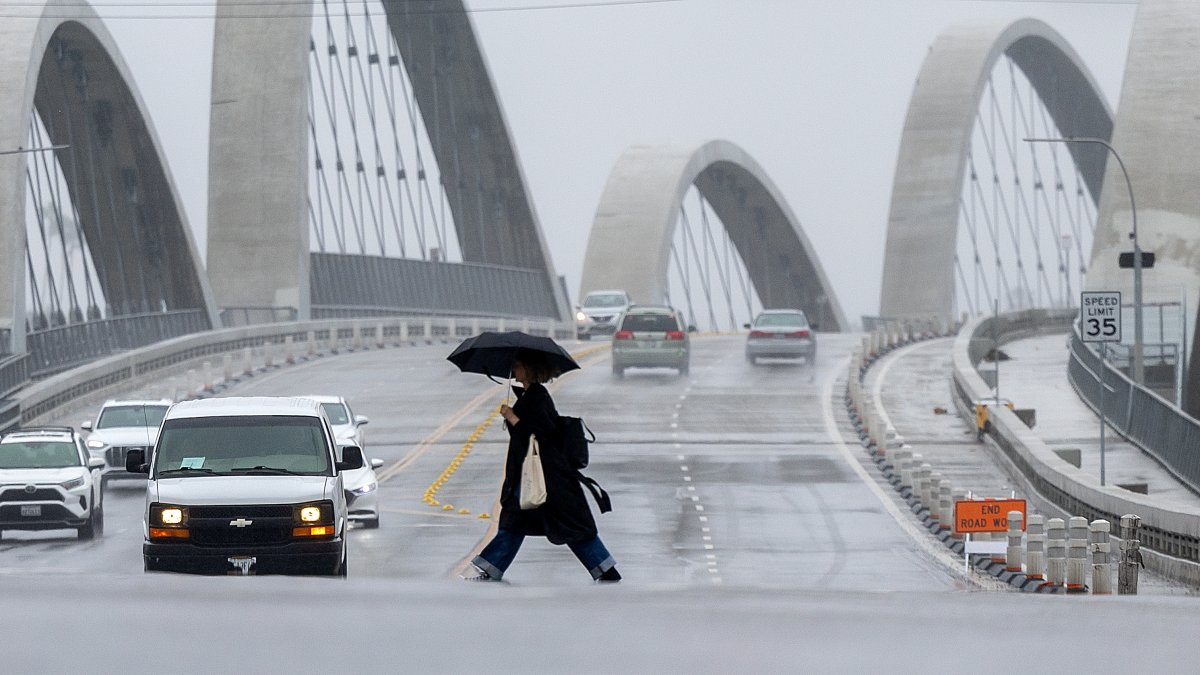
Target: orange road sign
[986, 515]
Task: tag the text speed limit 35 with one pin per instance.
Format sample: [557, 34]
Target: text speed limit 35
[1100, 316]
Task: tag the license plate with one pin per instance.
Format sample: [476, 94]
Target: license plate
[31, 510]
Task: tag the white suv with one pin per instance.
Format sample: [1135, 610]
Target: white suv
[246, 485]
[121, 426]
[48, 482]
[598, 313]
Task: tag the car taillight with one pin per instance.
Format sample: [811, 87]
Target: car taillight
[623, 335]
[674, 335]
[800, 333]
[759, 333]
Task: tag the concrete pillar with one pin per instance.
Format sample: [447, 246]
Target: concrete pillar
[1099, 546]
[1077, 547]
[1131, 555]
[1014, 561]
[1056, 551]
[1035, 547]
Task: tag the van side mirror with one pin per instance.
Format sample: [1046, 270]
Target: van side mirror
[352, 458]
[135, 462]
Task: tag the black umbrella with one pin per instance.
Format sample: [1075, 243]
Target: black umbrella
[493, 354]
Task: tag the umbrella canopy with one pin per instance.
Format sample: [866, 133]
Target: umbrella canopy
[493, 354]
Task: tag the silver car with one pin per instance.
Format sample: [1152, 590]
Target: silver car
[599, 312]
[651, 336]
[121, 426]
[781, 333]
[361, 485]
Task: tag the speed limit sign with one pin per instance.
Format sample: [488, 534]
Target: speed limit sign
[1100, 316]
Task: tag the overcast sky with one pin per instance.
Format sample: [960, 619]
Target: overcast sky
[815, 90]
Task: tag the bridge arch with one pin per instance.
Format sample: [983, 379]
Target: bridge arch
[261, 150]
[918, 268]
[72, 73]
[629, 245]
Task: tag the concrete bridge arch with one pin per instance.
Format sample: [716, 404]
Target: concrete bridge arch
[630, 242]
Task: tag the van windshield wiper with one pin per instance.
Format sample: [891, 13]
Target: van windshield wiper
[186, 469]
[266, 469]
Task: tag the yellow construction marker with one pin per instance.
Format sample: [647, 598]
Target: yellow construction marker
[447, 507]
[484, 515]
[464, 511]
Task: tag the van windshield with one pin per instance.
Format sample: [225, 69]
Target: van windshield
[234, 445]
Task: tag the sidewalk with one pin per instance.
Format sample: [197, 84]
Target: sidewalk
[914, 384]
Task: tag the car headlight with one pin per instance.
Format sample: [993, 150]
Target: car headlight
[71, 484]
[96, 444]
[580, 316]
[369, 487]
[169, 522]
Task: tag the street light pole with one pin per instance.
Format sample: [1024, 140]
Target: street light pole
[1138, 362]
[19, 151]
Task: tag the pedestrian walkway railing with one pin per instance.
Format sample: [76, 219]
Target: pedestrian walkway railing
[1143, 417]
[56, 349]
[1170, 530]
[14, 373]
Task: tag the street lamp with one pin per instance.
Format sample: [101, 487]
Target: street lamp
[1137, 251]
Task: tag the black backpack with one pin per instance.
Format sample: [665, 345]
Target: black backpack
[574, 437]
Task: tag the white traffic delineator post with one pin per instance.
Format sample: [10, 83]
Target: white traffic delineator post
[207, 382]
[945, 506]
[922, 477]
[1099, 545]
[1035, 547]
[248, 361]
[1056, 551]
[956, 495]
[310, 340]
[935, 489]
[902, 464]
[1077, 547]
[379, 343]
[1131, 555]
[289, 356]
[227, 367]
[1014, 558]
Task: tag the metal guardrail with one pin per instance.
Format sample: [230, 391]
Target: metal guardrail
[232, 317]
[14, 373]
[358, 283]
[1143, 417]
[57, 349]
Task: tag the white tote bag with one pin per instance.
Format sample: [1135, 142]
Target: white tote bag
[533, 480]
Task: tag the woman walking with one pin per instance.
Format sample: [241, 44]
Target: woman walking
[565, 517]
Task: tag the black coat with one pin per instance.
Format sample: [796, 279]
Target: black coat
[566, 515]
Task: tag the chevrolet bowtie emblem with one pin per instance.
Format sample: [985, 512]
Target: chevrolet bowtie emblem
[240, 522]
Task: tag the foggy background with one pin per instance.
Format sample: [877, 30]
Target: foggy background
[815, 90]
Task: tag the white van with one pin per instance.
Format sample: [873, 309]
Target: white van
[245, 485]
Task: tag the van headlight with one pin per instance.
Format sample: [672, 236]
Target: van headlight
[315, 513]
[168, 516]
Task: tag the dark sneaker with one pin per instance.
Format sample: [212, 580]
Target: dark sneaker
[476, 574]
[610, 575]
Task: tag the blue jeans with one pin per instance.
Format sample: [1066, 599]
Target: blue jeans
[502, 549]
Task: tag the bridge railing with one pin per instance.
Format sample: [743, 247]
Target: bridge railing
[1171, 534]
[108, 375]
[1140, 415]
[57, 349]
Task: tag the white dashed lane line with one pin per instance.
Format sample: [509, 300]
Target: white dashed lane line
[710, 556]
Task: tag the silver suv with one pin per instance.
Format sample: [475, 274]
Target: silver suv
[48, 482]
[121, 426]
[598, 313]
[246, 485]
[651, 336]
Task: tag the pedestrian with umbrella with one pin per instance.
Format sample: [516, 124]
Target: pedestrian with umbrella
[565, 517]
